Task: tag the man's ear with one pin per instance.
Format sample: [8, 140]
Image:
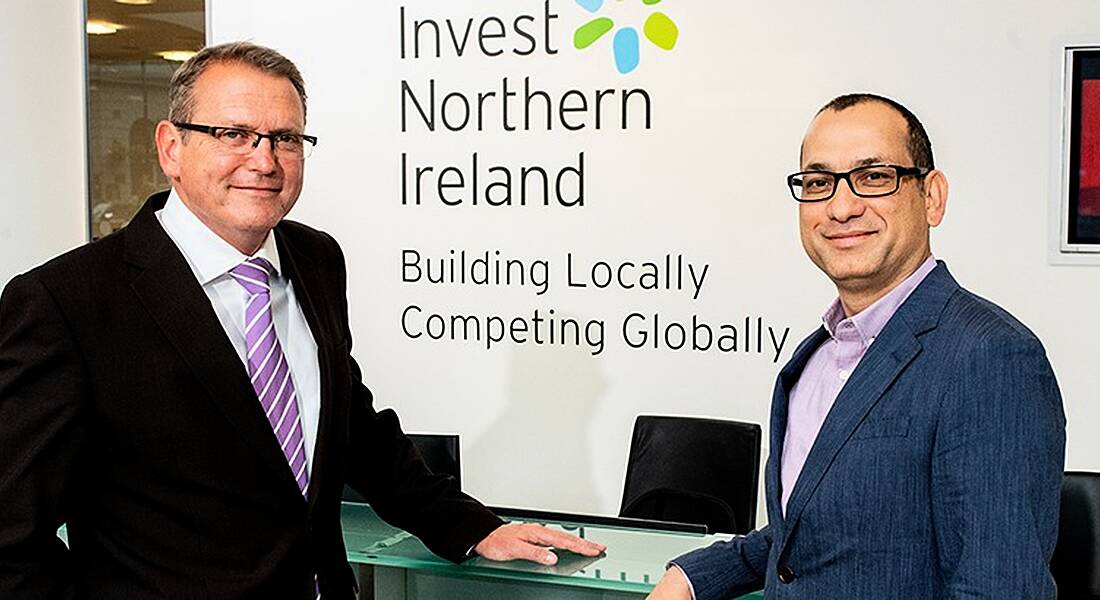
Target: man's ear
[169, 146]
[935, 197]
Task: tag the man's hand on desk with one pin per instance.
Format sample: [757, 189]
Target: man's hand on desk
[673, 586]
[532, 542]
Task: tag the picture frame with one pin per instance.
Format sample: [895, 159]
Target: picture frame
[1079, 200]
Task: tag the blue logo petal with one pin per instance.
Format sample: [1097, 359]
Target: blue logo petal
[591, 5]
[626, 49]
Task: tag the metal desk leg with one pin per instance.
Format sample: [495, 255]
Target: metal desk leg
[364, 575]
[388, 583]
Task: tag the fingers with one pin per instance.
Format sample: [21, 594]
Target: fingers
[565, 541]
[533, 552]
[529, 542]
[511, 542]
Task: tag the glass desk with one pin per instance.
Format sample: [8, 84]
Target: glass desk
[403, 568]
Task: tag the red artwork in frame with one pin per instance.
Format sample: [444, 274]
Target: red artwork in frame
[1083, 197]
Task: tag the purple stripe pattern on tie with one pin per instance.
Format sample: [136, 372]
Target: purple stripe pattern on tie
[268, 367]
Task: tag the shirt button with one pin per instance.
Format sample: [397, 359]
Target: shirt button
[785, 574]
[843, 375]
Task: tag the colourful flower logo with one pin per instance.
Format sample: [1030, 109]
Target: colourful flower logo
[658, 28]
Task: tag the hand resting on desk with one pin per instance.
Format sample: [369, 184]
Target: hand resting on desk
[532, 542]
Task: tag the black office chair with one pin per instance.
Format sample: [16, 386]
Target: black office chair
[693, 470]
[439, 451]
[1076, 562]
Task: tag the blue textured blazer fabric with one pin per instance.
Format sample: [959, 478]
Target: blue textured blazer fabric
[936, 474]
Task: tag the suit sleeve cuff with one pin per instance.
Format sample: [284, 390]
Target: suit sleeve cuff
[488, 523]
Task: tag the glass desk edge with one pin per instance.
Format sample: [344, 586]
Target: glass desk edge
[386, 551]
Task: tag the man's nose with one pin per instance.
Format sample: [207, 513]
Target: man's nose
[262, 157]
[845, 204]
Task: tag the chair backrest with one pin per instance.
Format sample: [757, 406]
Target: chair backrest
[693, 470]
[440, 452]
[1076, 562]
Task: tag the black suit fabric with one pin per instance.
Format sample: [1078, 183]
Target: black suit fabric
[126, 413]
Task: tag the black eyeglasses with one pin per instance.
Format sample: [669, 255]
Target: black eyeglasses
[242, 141]
[871, 181]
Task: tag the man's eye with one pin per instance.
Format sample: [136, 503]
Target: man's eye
[233, 134]
[876, 178]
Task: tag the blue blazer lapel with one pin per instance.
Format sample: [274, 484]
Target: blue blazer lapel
[894, 349]
[778, 427]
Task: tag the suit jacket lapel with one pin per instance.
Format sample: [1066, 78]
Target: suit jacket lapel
[884, 361]
[893, 350]
[167, 289]
[778, 429]
[302, 274]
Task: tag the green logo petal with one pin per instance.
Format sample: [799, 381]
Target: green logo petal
[591, 31]
[661, 30]
[650, 1]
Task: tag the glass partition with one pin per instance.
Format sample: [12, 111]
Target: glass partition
[134, 46]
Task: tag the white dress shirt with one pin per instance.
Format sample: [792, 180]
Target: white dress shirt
[211, 258]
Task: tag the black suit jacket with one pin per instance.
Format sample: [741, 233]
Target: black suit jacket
[126, 413]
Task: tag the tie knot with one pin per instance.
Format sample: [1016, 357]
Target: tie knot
[253, 274]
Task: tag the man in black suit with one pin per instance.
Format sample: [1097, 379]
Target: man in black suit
[182, 393]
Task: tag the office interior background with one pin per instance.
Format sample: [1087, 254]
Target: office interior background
[687, 173]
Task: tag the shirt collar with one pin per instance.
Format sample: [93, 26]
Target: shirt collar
[208, 254]
[868, 323]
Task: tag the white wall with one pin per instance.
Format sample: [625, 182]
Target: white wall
[42, 152]
[549, 425]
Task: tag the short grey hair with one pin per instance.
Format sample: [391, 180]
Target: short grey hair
[181, 89]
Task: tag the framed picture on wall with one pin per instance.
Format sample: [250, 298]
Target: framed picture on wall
[1080, 200]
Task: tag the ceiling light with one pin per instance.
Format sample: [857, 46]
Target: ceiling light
[103, 27]
[176, 55]
[135, 2]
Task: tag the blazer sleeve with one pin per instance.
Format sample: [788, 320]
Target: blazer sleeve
[728, 569]
[42, 382]
[996, 473]
[387, 470]
[384, 466]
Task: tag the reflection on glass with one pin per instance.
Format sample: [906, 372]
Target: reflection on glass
[127, 96]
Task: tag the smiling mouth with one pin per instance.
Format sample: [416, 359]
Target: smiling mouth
[850, 238]
[848, 234]
[262, 190]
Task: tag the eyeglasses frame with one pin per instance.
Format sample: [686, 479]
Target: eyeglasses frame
[918, 172]
[212, 131]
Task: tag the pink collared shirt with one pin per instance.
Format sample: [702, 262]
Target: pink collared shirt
[829, 368]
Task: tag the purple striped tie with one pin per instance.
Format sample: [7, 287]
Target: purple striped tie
[268, 367]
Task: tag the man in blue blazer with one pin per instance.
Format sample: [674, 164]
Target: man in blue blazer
[917, 437]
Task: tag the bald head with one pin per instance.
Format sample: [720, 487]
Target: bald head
[917, 142]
